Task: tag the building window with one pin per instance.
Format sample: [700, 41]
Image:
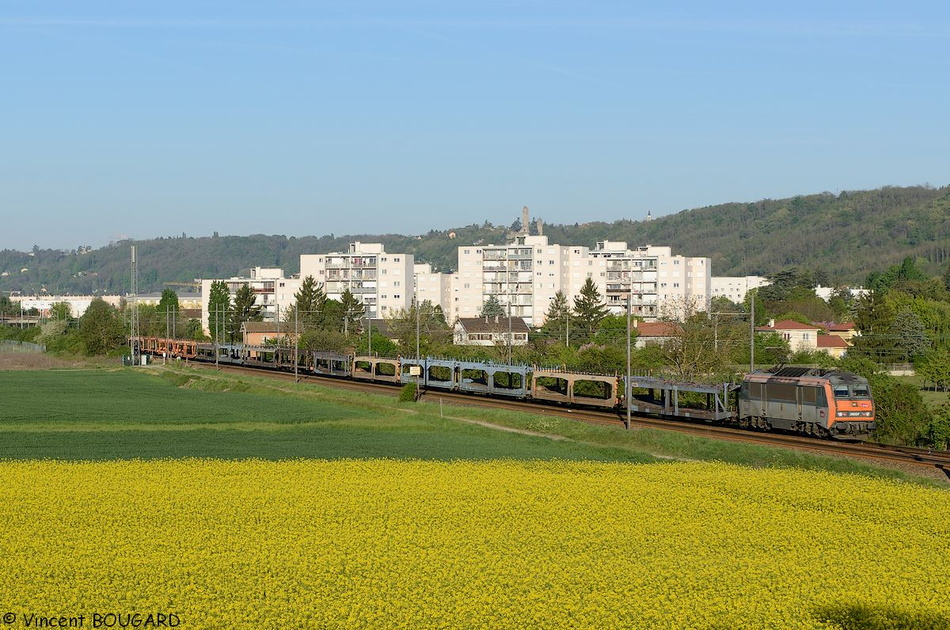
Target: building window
[396, 283]
[396, 259]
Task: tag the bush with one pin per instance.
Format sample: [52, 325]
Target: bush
[408, 393]
[938, 431]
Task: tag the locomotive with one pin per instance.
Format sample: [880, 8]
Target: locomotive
[806, 401]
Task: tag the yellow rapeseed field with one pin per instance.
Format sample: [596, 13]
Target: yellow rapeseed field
[396, 544]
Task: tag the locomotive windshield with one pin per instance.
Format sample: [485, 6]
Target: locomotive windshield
[856, 390]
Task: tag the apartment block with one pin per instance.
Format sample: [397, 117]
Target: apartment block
[735, 288]
[432, 286]
[682, 280]
[528, 272]
[525, 274]
[273, 291]
[383, 282]
[622, 273]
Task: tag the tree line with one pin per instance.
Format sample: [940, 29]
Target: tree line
[903, 317]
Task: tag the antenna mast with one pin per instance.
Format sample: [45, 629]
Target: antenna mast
[134, 312]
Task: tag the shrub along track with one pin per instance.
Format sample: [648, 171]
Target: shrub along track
[910, 459]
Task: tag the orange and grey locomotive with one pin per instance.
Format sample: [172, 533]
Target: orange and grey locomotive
[828, 403]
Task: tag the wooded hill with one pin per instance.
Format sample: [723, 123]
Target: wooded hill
[843, 236]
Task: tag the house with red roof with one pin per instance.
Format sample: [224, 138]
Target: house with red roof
[654, 333]
[810, 337]
[798, 335]
[833, 345]
[846, 330]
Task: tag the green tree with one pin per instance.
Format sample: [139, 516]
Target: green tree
[433, 331]
[874, 317]
[557, 320]
[612, 331]
[492, 308]
[896, 275]
[589, 308]
[100, 328]
[193, 330]
[167, 309]
[309, 304]
[938, 430]
[934, 368]
[53, 335]
[900, 412]
[7, 307]
[331, 316]
[61, 311]
[910, 338]
[841, 304]
[323, 340]
[219, 305]
[353, 311]
[245, 309]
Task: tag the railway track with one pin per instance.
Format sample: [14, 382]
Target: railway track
[902, 456]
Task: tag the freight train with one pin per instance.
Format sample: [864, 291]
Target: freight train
[807, 401]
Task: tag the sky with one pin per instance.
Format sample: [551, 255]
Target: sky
[145, 119]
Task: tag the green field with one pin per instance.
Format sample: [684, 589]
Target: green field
[126, 414]
[107, 414]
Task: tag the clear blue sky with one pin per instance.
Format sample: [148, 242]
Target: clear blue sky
[144, 119]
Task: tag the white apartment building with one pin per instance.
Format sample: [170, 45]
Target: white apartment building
[432, 286]
[383, 282]
[77, 303]
[622, 272]
[274, 293]
[682, 280]
[735, 288]
[528, 272]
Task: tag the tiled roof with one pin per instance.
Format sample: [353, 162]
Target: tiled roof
[261, 327]
[845, 327]
[657, 329]
[492, 325]
[788, 324]
[832, 341]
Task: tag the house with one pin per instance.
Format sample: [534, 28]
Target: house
[846, 331]
[833, 345]
[261, 333]
[800, 337]
[654, 333]
[486, 331]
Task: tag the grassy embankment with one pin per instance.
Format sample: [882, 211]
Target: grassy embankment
[105, 414]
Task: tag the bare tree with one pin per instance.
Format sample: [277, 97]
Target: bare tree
[691, 351]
